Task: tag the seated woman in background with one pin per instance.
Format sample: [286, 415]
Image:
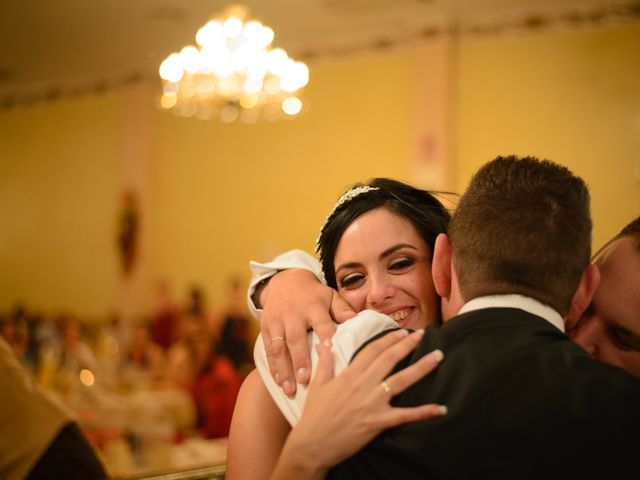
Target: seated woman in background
[143, 360]
[376, 249]
[209, 376]
[235, 328]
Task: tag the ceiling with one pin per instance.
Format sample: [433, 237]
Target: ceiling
[50, 48]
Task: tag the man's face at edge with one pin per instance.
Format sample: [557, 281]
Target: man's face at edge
[609, 330]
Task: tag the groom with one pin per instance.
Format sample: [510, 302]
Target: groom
[523, 400]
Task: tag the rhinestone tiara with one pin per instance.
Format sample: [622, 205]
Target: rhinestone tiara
[346, 197]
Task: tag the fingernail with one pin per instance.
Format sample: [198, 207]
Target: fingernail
[437, 355]
[287, 388]
[443, 409]
[418, 333]
[327, 342]
[277, 377]
[401, 332]
[302, 375]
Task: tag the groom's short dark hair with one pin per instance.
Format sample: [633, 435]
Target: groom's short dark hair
[522, 226]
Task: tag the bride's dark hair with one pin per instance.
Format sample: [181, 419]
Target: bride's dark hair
[420, 207]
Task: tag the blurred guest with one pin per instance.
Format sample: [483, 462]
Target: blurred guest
[15, 330]
[181, 369]
[48, 338]
[116, 331]
[32, 342]
[76, 353]
[70, 357]
[165, 316]
[143, 360]
[40, 438]
[237, 331]
[215, 389]
[113, 336]
[196, 302]
[194, 364]
[9, 332]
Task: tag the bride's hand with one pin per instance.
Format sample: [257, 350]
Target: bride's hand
[343, 414]
[293, 302]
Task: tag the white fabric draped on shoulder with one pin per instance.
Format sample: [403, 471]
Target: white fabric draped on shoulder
[349, 336]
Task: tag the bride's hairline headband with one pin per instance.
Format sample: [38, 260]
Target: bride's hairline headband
[346, 197]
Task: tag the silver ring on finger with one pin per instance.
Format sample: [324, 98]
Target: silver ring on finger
[387, 389]
[277, 339]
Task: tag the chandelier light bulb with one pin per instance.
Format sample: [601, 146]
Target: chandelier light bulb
[291, 105]
[277, 61]
[253, 85]
[301, 72]
[259, 65]
[210, 34]
[241, 58]
[266, 37]
[232, 27]
[272, 86]
[248, 100]
[171, 69]
[168, 101]
[253, 32]
[170, 88]
[188, 109]
[232, 73]
[229, 113]
[190, 59]
[224, 69]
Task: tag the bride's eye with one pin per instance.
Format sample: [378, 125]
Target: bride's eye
[401, 264]
[351, 280]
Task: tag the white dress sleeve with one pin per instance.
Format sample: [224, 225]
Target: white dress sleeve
[349, 336]
[287, 260]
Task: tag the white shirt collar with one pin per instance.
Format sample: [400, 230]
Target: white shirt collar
[516, 301]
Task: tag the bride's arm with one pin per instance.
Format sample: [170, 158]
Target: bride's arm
[258, 432]
[294, 300]
[343, 414]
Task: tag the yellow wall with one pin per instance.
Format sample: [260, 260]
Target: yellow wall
[217, 195]
[571, 97]
[58, 182]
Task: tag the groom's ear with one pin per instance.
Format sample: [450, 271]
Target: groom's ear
[441, 266]
[583, 295]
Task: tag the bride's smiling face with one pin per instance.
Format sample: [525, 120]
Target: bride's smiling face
[382, 264]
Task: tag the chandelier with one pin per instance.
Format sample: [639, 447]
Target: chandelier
[233, 73]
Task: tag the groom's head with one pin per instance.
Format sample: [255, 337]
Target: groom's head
[523, 226]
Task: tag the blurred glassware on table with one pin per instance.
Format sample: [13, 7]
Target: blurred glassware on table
[140, 415]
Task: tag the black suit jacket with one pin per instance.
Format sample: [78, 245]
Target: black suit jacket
[524, 402]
